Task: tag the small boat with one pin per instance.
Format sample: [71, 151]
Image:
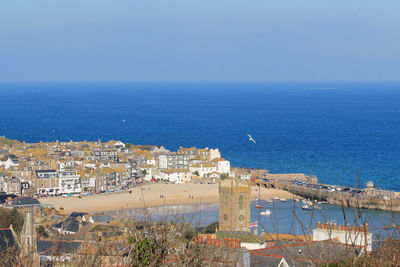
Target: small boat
[317, 207]
[283, 199]
[268, 201]
[259, 206]
[296, 199]
[306, 207]
[275, 198]
[265, 213]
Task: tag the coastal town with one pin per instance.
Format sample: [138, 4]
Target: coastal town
[53, 195]
[68, 168]
[81, 167]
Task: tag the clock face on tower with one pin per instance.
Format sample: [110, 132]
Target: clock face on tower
[225, 217]
[241, 218]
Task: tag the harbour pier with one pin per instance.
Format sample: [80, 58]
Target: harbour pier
[309, 188]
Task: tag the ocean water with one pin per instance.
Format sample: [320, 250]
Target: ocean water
[328, 129]
[286, 217]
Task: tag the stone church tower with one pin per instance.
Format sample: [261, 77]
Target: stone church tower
[234, 206]
[28, 243]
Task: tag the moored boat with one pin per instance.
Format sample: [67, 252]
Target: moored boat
[265, 213]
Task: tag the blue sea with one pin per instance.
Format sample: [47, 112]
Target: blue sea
[328, 129]
[286, 217]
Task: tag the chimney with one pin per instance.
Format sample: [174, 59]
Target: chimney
[335, 226]
[238, 245]
[319, 224]
[208, 237]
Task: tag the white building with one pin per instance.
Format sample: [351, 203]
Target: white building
[203, 169]
[177, 176]
[173, 161]
[214, 154]
[223, 166]
[150, 172]
[355, 236]
[9, 161]
[69, 182]
[66, 164]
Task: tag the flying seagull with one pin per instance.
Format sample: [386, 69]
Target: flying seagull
[251, 139]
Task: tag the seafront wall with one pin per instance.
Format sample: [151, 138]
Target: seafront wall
[345, 199]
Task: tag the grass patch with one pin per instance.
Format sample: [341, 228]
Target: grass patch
[244, 237]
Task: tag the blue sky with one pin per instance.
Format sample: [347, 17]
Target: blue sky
[207, 40]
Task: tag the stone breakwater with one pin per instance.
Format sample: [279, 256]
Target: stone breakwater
[387, 200]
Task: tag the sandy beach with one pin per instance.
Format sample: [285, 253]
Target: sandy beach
[149, 196]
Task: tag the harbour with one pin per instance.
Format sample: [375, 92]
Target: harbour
[308, 187]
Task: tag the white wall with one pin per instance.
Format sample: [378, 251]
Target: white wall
[224, 166]
[345, 237]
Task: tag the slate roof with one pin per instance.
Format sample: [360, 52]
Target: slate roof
[300, 254]
[7, 239]
[45, 171]
[48, 248]
[261, 261]
[57, 225]
[22, 201]
[70, 225]
[102, 218]
[76, 214]
[56, 217]
[3, 151]
[3, 198]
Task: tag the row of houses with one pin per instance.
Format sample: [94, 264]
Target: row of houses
[60, 168]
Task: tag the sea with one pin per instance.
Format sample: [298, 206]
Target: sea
[286, 217]
[344, 133]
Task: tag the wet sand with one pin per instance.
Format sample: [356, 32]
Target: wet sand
[149, 196]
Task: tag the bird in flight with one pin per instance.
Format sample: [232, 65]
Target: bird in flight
[251, 139]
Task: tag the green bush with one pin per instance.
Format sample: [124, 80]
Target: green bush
[13, 217]
[210, 229]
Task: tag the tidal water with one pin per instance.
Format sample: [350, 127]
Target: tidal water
[286, 218]
[328, 129]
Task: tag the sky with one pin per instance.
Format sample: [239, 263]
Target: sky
[193, 40]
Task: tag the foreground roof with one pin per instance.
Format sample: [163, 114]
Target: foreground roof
[24, 201]
[304, 253]
[47, 247]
